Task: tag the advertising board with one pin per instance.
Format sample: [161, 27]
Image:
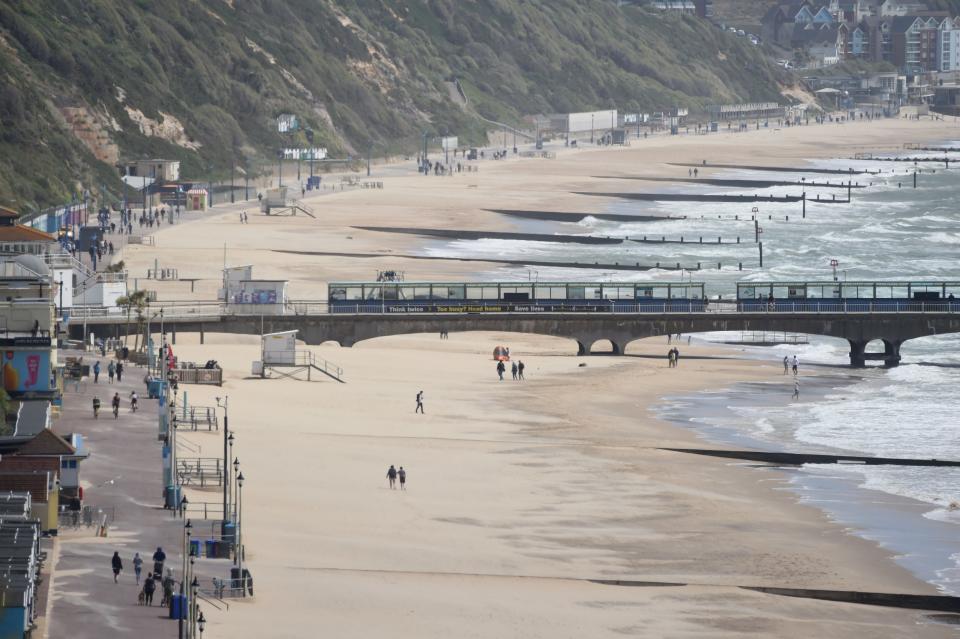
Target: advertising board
[26, 371]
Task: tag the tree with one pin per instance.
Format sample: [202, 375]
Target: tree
[134, 301]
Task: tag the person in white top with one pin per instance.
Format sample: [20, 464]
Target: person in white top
[796, 363]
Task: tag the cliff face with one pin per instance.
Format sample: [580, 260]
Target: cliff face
[82, 83]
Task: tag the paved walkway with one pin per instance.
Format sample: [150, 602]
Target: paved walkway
[123, 477]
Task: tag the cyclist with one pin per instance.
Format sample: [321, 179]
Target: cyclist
[133, 401]
[116, 405]
[96, 407]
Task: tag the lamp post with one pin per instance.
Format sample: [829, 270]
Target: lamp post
[201, 622]
[226, 454]
[183, 575]
[243, 584]
[227, 477]
[236, 470]
[194, 587]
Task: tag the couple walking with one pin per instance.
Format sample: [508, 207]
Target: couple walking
[516, 368]
[393, 475]
[673, 356]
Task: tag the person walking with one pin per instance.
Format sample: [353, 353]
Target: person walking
[158, 558]
[115, 402]
[96, 372]
[111, 370]
[392, 476]
[513, 369]
[676, 356]
[402, 475]
[116, 564]
[168, 584]
[796, 388]
[149, 586]
[500, 369]
[786, 364]
[119, 371]
[419, 408]
[670, 361]
[796, 364]
[137, 565]
[520, 368]
[96, 407]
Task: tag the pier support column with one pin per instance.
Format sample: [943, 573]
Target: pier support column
[201, 333]
[857, 353]
[891, 352]
[581, 348]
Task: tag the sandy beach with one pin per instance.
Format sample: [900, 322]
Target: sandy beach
[520, 494]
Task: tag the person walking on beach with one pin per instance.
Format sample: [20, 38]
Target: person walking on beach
[111, 370]
[796, 388]
[392, 476]
[119, 371]
[419, 408]
[520, 368]
[500, 369]
[137, 565]
[786, 364]
[402, 475]
[158, 558]
[116, 564]
[513, 369]
[676, 356]
[670, 362]
[796, 364]
[96, 372]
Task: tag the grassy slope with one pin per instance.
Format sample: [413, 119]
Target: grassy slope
[361, 73]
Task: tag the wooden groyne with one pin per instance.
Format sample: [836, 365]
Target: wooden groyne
[694, 197]
[616, 266]
[757, 184]
[780, 169]
[458, 234]
[557, 216]
[798, 459]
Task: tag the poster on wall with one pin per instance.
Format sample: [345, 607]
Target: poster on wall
[26, 371]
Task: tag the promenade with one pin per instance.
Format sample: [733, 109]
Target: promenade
[122, 477]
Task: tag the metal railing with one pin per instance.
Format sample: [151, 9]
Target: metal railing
[202, 510]
[217, 310]
[196, 417]
[307, 358]
[200, 471]
[86, 517]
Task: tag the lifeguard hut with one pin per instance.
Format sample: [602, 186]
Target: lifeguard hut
[277, 201]
[279, 354]
[197, 199]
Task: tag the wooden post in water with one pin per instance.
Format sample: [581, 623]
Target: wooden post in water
[914, 178]
[804, 199]
[761, 254]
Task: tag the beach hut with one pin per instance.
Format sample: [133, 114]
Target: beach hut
[197, 199]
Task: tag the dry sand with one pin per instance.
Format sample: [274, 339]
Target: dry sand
[518, 493]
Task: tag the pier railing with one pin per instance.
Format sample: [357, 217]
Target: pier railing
[213, 311]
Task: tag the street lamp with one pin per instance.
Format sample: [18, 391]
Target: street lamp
[187, 528]
[236, 470]
[194, 587]
[243, 584]
[226, 453]
[201, 622]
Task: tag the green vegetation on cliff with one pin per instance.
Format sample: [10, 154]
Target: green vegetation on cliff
[361, 74]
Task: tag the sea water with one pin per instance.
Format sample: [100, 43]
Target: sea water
[890, 231]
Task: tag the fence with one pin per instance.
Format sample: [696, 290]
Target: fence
[206, 376]
[198, 416]
[86, 517]
[202, 510]
[200, 471]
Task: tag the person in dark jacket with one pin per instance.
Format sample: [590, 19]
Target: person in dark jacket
[117, 565]
[158, 558]
[149, 586]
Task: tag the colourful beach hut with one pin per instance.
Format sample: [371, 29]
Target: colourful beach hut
[197, 199]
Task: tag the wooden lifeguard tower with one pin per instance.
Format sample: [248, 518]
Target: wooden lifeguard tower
[279, 354]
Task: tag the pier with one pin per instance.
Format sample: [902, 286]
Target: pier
[620, 325]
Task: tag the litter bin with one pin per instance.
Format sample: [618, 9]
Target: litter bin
[234, 578]
[178, 606]
[211, 548]
[155, 387]
[228, 532]
[195, 547]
